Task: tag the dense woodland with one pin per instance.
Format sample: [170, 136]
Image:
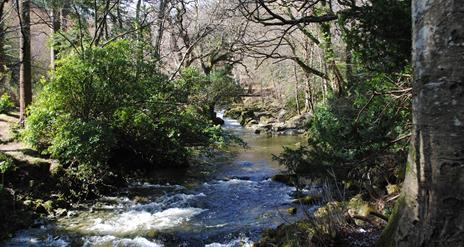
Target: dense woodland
[112, 89]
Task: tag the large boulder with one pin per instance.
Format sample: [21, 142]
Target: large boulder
[265, 126]
[261, 114]
[281, 115]
[298, 122]
[267, 120]
[218, 121]
[357, 206]
[251, 123]
[246, 116]
[234, 113]
[279, 127]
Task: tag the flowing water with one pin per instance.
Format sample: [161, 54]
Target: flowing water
[228, 203]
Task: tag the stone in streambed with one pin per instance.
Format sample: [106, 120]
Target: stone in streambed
[291, 211]
[284, 178]
[60, 212]
[251, 122]
[307, 200]
[141, 199]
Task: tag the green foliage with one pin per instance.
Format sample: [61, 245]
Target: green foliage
[6, 165]
[291, 103]
[209, 90]
[354, 132]
[380, 34]
[105, 107]
[5, 103]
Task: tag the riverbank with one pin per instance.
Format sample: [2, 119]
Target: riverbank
[29, 182]
[268, 119]
[336, 212]
[230, 199]
[334, 216]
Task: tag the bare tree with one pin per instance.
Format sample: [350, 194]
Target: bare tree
[25, 73]
[55, 16]
[293, 27]
[2, 43]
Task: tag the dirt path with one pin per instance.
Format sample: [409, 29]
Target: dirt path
[16, 149]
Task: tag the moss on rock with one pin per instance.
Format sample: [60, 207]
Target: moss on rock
[388, 234]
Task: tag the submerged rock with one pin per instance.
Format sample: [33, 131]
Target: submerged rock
[284, 178]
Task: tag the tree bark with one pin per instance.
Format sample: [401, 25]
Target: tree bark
[160, 22]
[55, 28]
[297, 98]
[349, 66]
[3, 62]
[25, 73]
[430, 211]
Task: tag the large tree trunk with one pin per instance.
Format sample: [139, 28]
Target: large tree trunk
[25, 73]
[430, 211]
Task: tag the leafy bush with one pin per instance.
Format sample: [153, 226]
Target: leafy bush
[5, 103]
[355, 133]
[103, 107]
[379, 34]
[209, 91]
[6, 164]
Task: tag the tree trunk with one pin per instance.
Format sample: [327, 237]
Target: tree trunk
[309, 89]
[349, 66]
[64, 16]
[160, 21]
[25, 73]
[3, 62]
[55, 28]
[430, 211]
[297, 98]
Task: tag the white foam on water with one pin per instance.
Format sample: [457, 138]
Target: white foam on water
[241, 242]
[29, 240]
[172, 201]
[236, 181]
[114, 241]
[135, 221]
[146, 185]
[228, 122]
[217, 226]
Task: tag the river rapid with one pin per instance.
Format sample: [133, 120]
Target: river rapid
[228, 203]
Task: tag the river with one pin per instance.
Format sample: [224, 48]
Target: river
[228, 203]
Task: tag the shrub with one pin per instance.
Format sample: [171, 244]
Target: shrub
[5, 103]
[355, 133]
[6, 165]
[104, 108]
